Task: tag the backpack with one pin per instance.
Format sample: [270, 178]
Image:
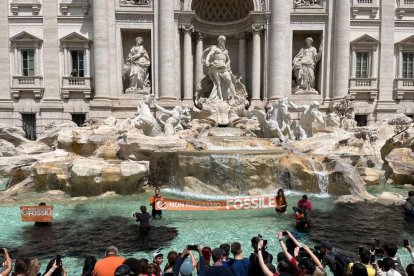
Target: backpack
[341, 264]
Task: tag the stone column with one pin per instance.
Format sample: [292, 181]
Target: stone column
[280, 46]
[386, 73]
[242, 56]
[198, 66]
[101, 48]
[188, 63]
[4, 52]
[51, 77]
[340, 71]
[166, 52]
[256, 58]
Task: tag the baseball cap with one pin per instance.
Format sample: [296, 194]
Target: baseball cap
[157, 254]
[186, 268]
[325, 244]
[217, 253]
[122, 270]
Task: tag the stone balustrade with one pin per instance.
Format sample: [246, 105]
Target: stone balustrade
[363, 87]
[65, 5]
[76, 84]
[32, 84]
[15, 5]
[403, 87]
[403, 6]
[364, 5]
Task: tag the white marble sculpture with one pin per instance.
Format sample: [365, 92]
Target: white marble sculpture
[309, 113]
[136, 69]
[221, 91]
[278, 120]
[144, 119]
[306, 3]
[304, 68]
[175, 118]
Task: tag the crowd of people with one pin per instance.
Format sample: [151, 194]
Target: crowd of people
[295, 259]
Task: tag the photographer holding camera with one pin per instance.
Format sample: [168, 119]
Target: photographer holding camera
[255, 268]
[7, 265]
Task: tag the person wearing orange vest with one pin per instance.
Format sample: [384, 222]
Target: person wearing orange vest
[156, 197]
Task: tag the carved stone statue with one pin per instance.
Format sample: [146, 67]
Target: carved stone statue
[308, 115]
[136, 69]
[221, 92]
[278, 120]
[145, 119]
[174, 119]
[304, 68]
[135, 2]
[306, 3]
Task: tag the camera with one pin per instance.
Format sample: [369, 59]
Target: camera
[284, 233]
[192, 247]
[58, 260]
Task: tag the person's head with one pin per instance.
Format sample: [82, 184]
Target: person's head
[186, 268]
[139, 40]
[388, 263]
[133, 264]
[325, 247]
[151, 269]
[21, 266]
[411, 193]
[143, 209]
[122, 270]
[283, 266]
[143, 265]
[305, 197]
[365, 256]
[57, 272]
[306, 266]
[111, 251]
[217, 254]
[319, 272]
[221, 40]
[226, 250]
[359, 269]
[88, 265]
[157, 257]
[206, 253]
[281, 193]
[390, 249]
[157, 191]
[255, 241]
[410, 270]
[42, 204]
[172, 257]
[290, 245]
[309, 41]
[236, 248]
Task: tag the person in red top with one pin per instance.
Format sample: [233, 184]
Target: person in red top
[305, 206]
[108, 265]
[156, 197]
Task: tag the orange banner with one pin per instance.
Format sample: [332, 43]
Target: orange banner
[37, 213]
[246, 203]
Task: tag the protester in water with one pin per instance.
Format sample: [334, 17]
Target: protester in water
[42, 224]
[409, 204]
[305, 206]
[281, 204]
[153, 200]
[301, 223]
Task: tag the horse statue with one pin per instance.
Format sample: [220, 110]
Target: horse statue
[278, 120]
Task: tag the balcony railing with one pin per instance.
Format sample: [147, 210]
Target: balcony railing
[76, 84]
[403, 6]
[16, 4]
[32, 84]
[403, 87]
[80, 4]
[360, 5]
[363, 86]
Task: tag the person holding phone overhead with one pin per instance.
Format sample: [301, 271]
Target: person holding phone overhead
[55, 267]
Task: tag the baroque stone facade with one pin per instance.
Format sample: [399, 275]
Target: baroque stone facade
[64, 60]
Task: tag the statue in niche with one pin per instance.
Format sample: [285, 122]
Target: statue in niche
[175, 118]
[306, 3]
[304, 65]
[135, 2]
[136, 69]
[278, 120]
[221, 92]
[309, 113]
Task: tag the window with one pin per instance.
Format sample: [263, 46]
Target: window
[29, 126]
[78, 63]
[28, 65]
[407, 66]
[361, 70]
[362, 120]
[79, 119]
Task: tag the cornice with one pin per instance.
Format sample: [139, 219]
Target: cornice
[74, 19]
[147, 17]
[25, 19]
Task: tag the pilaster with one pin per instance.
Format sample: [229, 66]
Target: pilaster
[198, 66]
[188, 63]
[242, 56]
[4, 53]
[256, 60]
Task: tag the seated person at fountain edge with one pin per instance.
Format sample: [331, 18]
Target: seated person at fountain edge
[409, 204]
[156, 197]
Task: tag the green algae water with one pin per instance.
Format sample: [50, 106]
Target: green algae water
[88, 227]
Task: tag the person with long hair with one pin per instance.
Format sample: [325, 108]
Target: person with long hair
[26, 267]
[281, 204]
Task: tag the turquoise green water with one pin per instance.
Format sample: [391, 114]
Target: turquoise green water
[206, 227]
